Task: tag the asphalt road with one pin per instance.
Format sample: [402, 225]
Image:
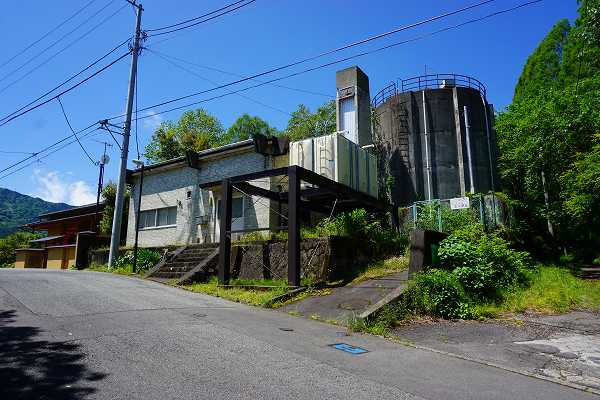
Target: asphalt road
[71, 335]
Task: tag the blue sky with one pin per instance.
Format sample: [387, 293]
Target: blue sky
[257, 37]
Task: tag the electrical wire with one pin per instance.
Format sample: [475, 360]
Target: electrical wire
[31, 71]
[214, 83]
[31, 59]
[51, 31]
[15, 152]
[38, 159]
[67, 80]
[294, 74]
[4, 122]
[62, 107]
[414, 39]
[329, 96]
[195, 18]
[205, 20]
[47, 148]
[323, 54]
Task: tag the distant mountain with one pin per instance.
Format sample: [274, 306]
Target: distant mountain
[18, 209]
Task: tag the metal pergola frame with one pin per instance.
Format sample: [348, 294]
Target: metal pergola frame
[313, 199]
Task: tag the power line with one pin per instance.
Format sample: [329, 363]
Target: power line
[67, 80]
[38, 159]
[239, 75]
[214, 83]
[304, 60]
[51, 31]
[56, 42]
[15, 152]
[64, 91]
[196, 18]
[72, 130]
[62, 50]
[204, 20]
[46, 148]
[414, 39]
[298, 73]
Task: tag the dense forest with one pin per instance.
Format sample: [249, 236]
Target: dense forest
[549, 141]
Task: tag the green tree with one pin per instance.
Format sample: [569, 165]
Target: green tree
[543, 66]
[245, 127]
[304, 124]
[196, 130]
[10, 243]
[109, 195]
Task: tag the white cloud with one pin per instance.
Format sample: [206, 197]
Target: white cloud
[152, 121]
[80, 193]
[55, 188]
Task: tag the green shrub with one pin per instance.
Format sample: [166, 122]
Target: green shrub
[361, 225]
[439, 293]
[486, 267]
[146, 259]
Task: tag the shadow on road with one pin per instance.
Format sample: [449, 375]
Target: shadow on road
[39, 369]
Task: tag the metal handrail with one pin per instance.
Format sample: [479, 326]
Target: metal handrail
[432, 81]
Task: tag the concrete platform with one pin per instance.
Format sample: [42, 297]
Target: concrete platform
[348, 301]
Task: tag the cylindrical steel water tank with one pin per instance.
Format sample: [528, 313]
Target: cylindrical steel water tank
[421, 128]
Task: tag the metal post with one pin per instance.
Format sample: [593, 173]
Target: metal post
[120, 197]
[470, 161]
[100, 179]
[137, 218]
[547, 203]
[439, 215]
[293, 227]
[427, 161]
[225, 233]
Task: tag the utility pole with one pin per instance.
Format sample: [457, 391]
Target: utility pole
[116, 228]
[103, 161]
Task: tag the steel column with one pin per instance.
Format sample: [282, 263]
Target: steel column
[294, 227]
[225, 233]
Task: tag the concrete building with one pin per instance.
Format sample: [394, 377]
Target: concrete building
[175, 210]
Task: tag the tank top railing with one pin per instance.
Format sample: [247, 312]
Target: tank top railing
[433, 81]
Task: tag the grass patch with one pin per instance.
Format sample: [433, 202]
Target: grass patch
[382, 268]
[552, 290]
[243, 294]
[126, 270]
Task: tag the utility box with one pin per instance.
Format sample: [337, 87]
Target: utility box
[339, 159]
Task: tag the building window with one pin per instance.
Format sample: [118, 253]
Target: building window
[158, 217]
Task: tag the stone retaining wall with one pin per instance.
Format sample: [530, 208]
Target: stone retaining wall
[322, 259]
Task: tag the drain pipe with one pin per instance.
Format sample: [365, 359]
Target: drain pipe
[427, 161]
[489, 142]
[468, 136]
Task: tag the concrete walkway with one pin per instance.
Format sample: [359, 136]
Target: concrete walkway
[347, 301]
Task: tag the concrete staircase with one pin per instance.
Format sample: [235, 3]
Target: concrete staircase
[195, 262]
[589, 272]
